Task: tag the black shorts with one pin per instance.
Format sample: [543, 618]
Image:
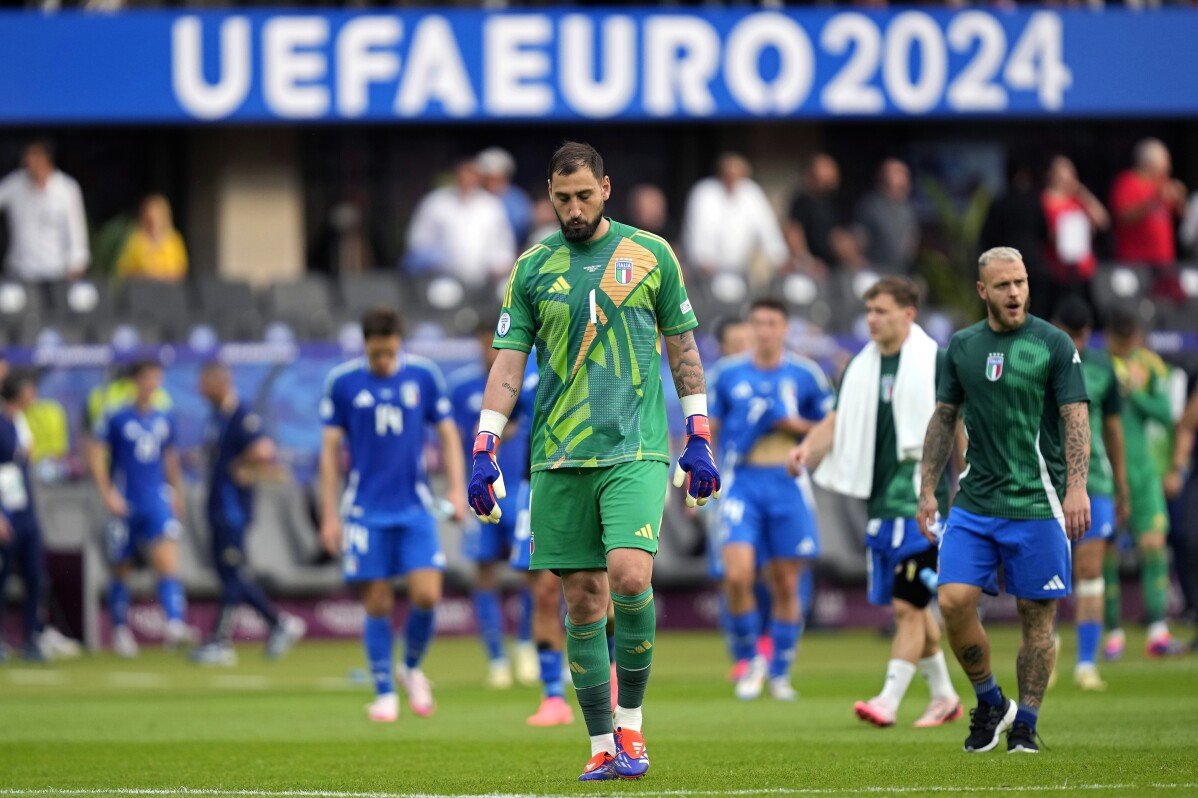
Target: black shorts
[907, 584]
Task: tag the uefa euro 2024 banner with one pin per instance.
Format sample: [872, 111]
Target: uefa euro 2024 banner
[642, 64]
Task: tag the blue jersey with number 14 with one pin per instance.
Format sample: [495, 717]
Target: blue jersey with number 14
[385, 419]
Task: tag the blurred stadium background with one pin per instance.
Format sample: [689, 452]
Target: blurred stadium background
[295, 150]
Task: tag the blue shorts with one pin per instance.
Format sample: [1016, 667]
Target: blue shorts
[1102, 519]
[382, 552]
[125, 538]
[487, 543]
[1035, 555]
[889, 543]
[520, 555]
[770, 510]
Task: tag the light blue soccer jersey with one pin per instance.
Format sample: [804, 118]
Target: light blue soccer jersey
[748, 401]
[385, 419]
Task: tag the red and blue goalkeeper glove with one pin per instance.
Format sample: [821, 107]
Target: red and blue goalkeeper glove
[696, 466]
[486, 480]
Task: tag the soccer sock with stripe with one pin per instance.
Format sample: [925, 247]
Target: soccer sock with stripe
[1112, 597]
[1028, 715]
[590, 671]
[170, 596]
[118, 602]
[785, 635]
[550, 660]
[988, 691]
[376, 639]
[524, 626]
[636, 631]
[490, 622]
[745, 629]
[1154, 583]
[935, 672]
[417, 633]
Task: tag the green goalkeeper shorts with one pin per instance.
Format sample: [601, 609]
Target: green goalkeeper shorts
[578, 515]
[1149, 511]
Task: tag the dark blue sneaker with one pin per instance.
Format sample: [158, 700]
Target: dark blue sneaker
[632, 755]
[600, 768]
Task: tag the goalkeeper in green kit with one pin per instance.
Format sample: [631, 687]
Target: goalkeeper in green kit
[595, 299]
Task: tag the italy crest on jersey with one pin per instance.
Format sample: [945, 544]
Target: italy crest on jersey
[994, 365]
[623, 272]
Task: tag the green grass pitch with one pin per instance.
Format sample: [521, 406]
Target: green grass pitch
[158, 726]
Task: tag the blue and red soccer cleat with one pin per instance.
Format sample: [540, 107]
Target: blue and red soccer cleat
[601, 767]
[632, 755]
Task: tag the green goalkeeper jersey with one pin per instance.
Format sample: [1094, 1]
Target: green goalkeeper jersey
[1105, 401]
[596, 311]
[1012, 385]
[1143, 385]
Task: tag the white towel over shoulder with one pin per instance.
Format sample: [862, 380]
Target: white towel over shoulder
[849, 467]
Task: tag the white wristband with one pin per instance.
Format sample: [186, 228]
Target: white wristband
[694, 405]
[492, 422]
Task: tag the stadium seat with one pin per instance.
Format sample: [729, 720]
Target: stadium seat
[230, 308]
[303, 305]
[805, 297]
[20, 312]
[721, 296]
[433, 301]
[80, 310]
[150, 304]
[362, 292]
[1119, 286]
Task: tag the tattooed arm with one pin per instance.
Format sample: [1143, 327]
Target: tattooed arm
[1076, 419]
[685, 364]
[937, 448]
[504, 381]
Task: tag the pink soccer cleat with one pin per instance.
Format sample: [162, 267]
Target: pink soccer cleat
[384, 708]
[420, 692]
[939, 712]
[1113, 650]
[875, 711]
[554, 711]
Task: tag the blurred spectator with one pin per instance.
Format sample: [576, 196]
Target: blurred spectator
[1072, 214]
[815, 231]
[648, 210]
[153, 251]
[729, 222]
[1144, 202]
[46, 223]
[887, 220]
[1016, 219]
[497, 168]
[461, 230]
[1188, 232]
[544, 222]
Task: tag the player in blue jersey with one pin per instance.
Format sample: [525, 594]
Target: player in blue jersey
[378, 407]
[20, 533]
[136, 467]
[764, 404]
[488, 546]
[240, 453]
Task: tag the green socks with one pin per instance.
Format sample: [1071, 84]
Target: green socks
[1154, 582]
[590, 670]
[636, 630]
[1112, 599]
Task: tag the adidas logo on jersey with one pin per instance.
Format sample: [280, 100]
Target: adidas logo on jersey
[1054, 584]
[645, 532]
[364, 399]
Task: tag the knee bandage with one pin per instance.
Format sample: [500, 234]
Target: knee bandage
[1090, 588]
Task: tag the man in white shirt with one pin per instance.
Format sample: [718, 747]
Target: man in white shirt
[46, 223]
[461, 230]
[729, 221]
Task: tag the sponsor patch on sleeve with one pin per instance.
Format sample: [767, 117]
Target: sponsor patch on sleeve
[685, 307]
[505, 324]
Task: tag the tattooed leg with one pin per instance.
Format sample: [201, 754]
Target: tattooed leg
[1037, 653]
[959, 605]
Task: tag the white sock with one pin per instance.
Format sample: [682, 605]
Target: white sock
[628, 718]
[603, 742]
[935, 673]
[1157, 629]
[899, 673]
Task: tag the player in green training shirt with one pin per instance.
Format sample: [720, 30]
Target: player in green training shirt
[1022, 498]
[1143, 382]
[1107, 487]
[897, 552]
[595, 299]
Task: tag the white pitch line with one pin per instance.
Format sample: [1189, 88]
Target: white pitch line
[336, 683]
[133, 679]
[35, 676]
[882, 790]
[240, 681]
